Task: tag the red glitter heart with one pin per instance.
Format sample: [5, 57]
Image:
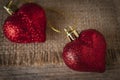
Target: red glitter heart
[26, 25]
[86, 53]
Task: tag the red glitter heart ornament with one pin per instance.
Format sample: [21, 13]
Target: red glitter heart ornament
[26, 25]
[87, 52]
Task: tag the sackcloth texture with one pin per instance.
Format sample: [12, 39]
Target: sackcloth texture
[37, 61]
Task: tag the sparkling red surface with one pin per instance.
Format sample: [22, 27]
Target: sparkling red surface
[27, 25]
[86, 53]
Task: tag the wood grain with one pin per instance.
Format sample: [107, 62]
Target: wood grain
[43, 61]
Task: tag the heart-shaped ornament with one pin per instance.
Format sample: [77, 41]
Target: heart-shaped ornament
[87, 52]
[26, 25]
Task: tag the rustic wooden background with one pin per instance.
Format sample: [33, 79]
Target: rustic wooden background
[42, 61]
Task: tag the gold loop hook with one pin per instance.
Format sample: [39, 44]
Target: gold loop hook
[10, 7]
[49, 23]
[72, 33]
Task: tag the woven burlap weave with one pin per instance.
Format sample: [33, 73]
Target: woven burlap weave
[102, 15]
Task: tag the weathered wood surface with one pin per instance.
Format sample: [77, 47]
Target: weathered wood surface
[43, 61]
[56, 73]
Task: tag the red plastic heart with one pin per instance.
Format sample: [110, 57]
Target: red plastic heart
[26, 25]
[86, 53]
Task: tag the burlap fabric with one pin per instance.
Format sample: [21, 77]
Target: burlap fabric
[102, 15]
